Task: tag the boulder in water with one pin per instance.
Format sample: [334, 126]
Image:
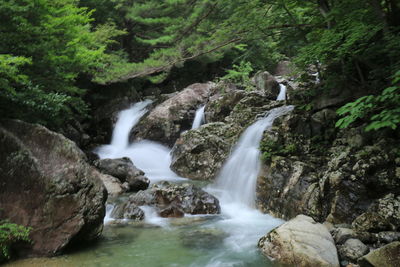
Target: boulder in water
[125, 171]
[47, 184]
[175, 115]
[300, 242]
[170, 198]
[200, 153]
[127, 211]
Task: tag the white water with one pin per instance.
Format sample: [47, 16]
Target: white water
[235, 187]
[282, 92]
[152, 158]
[199, 117]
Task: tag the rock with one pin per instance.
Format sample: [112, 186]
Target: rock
[175, 115]
[113, 186]
[370, 222]
[174, 197]
[47, 184]
[125, 171]
[386, 256]
[352, 249]
[267, 83]
[388, 237]
[200, 153]
[128, 211]
[221, 105]
[105, 116]
[172, 211]
[283, 68]
[300, 242]
[341, 235]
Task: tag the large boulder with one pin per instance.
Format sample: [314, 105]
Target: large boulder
[125, 171]
[267, 83]
[200, 153]
[300, 242]
[168, 119]
[46, 184]
[172, 200]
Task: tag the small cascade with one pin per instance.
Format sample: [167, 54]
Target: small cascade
[152, 158]
[199, 118]
[107, 217]
[282, 92]
[239, 174]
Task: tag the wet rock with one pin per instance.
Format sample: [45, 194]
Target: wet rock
[125, 171]
[186, 197]
[300, 242]
[341, 235]
[387, 256]
[113, 186]
[47, 184]
[382, 215]
[175, 115]
[267, 83]
[172, 211]
[128, 211]
[200, 153]
[352, 249]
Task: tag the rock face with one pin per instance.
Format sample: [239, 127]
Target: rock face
[300, 242]
[175, 115]
[125, 171]
[46, 184]
[200, 153]
[172, 200]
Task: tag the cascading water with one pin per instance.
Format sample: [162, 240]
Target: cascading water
[236, 188]
[199, 117]
[282, 92]
[239, 224]
[152, 158]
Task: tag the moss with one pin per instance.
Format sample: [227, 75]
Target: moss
[270, 148]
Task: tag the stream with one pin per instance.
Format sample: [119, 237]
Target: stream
[227, 239]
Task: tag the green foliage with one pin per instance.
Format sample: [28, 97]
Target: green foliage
[10, 233]
[382, 111]
[45, 46]
[270, 148]
[240, 75]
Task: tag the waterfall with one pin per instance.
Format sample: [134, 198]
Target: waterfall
[238, 176]
[199, 117]
[282, 92]
[152, 158]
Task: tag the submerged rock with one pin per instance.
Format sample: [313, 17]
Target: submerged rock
[171, 199]
[125, 171]
[206, 238]
[168, 119]
[300, 242]
[47, 184]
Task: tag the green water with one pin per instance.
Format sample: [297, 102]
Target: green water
[190, 241]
